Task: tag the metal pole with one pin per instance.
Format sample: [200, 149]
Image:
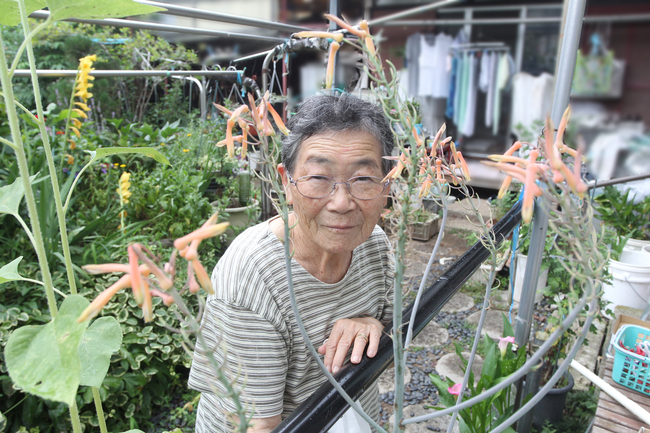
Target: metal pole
[162, 28]
[569, 41]
[627, 18]
[521, 36]
[252, 56]
[221, 75]
[202, 14]
[409, 12]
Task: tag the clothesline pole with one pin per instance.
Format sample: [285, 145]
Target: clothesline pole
[569, 42]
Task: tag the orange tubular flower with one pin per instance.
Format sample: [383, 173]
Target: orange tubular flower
[515, 147]
[202, 276]
[136, 278]
[508, 158]
[370, 45]
[463, 166]
[277, 119]
[106, 268]
[529, 186]
[100, 301]
[230, 144]
[436, 139]
[166, 297]
[559, 138]
[239, 112]
[202, 233]
[244, 130]
[338, 37]
[164, 282]
[193, 284]
[511, 170]
[192, 252]
[147, 305]
[552, 152]
[224, 110]
[417, 138]
[504, 187]
[255, 112]
[358, 33]
[329, 77]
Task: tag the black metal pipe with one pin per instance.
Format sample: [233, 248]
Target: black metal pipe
[325, 406]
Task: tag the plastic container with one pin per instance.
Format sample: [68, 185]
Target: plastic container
[425, 231]
[551, 407]
[646, 250]
[630, 285]
[520, 270]
[635, 245]
[630, 369]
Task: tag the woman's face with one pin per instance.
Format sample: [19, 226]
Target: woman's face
[337, 223]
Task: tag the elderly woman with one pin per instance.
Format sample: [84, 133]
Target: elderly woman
[332, 170]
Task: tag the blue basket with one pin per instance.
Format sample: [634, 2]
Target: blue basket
[630, 369]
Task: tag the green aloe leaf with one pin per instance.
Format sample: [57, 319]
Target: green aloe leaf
[43, 360]
[101, 339]
[9, 272]
[97, 9]
[147, 151]
[9, 14]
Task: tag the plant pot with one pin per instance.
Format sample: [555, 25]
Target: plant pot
[630, 285]
[635, 245]
[520, 270]
[551, 407]
[241, 216]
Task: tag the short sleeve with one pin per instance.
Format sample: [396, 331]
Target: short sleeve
[251, 352]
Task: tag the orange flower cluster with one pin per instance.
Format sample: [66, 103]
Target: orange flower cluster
[137, 275]
[432, 163]
[259, 125]
[550, 167]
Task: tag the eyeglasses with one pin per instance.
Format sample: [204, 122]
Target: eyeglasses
[359, 187]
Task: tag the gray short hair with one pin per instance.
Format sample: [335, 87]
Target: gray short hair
[326, 113]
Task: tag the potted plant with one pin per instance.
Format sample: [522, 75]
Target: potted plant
[421, 223]
[618, 210]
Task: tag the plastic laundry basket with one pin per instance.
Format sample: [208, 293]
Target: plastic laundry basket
[630, 369]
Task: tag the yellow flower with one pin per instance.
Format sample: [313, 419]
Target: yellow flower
[85, 67]
[122, 165]
[73, 145]
[123, 190]
[162, 144]
[116, 165]
[76, 122]
[186, 150]
[70, 159]
[189, 135]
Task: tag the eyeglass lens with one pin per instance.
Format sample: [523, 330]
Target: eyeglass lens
[363, 187]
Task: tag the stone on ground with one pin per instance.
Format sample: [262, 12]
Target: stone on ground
[432, 335]
[437, 424]
[450, 366]
[588, 355]
[386, 382]
[459, 302]
[493, 325]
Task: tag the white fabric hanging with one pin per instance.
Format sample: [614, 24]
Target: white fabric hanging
[427, 68]
[484, 80]
[440, 81]
[532, 99]
[472, 88]
[492, 75]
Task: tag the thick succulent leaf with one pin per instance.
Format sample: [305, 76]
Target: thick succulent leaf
[101, 339]
[43, 360]
[9, 14]
[97, 9]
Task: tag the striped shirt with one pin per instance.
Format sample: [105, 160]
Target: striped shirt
[249, 325]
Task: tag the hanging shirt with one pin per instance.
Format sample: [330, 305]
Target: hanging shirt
[483, 80]
[503, 73]
[440, 84]
[428, 67]
[469, 120]
[491, 90]
[459, 85]
[464, 84]
[413, 63]
[452, 87]
[532, 100]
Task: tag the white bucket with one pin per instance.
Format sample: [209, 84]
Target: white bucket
[520, 270]
[630, 285]
[635, 258]
[646, 249]
[635, 245]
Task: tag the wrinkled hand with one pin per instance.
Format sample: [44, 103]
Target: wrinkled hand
[351, 332]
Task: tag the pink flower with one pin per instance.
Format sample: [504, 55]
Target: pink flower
[455, 389]
[503, 344]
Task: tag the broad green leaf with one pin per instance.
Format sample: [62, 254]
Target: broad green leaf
[3, 422]
[490, 363]
[97, 9]
[43, 360]
[134, 431]
[507, 327]
[9, 272]
[147, 151]
[101, 339]
[9, 14]
[12, 195]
